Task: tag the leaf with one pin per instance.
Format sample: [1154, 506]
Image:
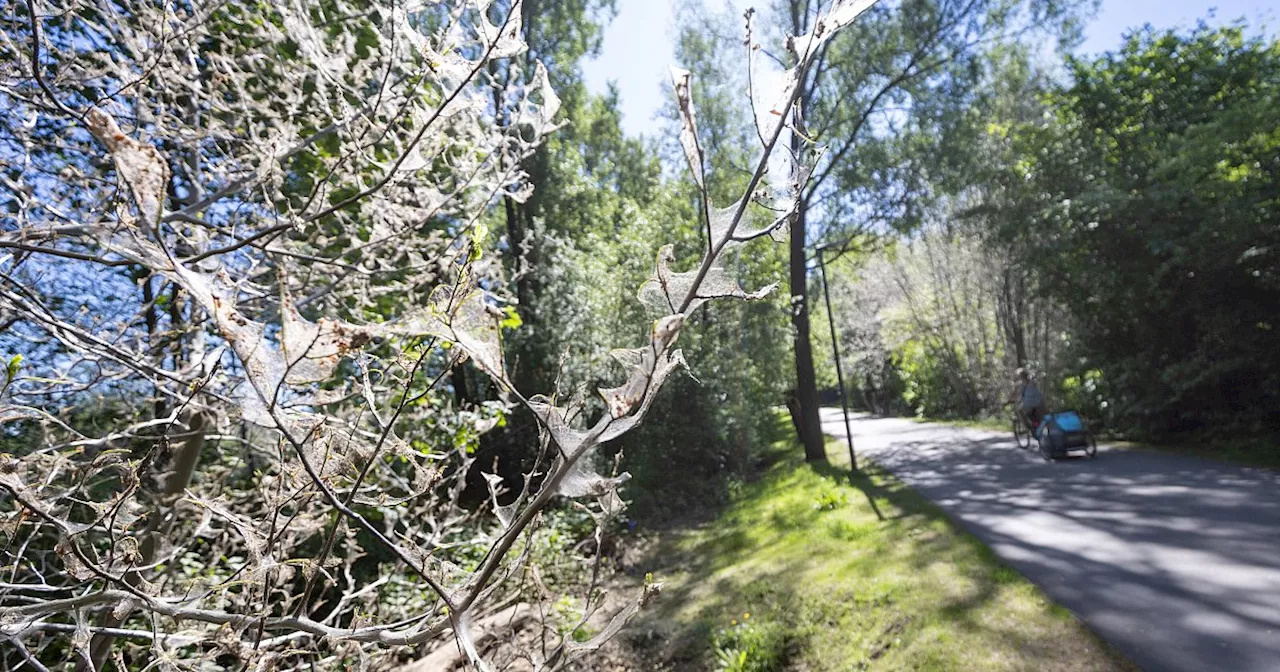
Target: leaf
[462, 316]
[505, 513]
[478, 235]
[665, 291]
[842, 14]
[622, 400]
[138, 164]
[688, 124]
[511, 318]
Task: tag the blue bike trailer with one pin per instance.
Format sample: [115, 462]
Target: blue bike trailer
[1064, 431]
[1067, 421]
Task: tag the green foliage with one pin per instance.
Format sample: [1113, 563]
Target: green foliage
[928, 380]
[749, 646]
[1159, 224]
[579, 248]
[11, 369]
[1089, 394]
[589, 235]
[1126, 237]
[829, 500]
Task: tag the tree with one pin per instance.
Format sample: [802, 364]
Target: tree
[875, 95]
[559, 34]
[962, 309]
[1156, 224]
[939, 309]
[301, 193]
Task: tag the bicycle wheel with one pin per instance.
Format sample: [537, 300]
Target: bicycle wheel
[1046, 442]
[1021, 435]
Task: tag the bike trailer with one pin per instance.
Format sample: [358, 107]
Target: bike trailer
[1061, 432]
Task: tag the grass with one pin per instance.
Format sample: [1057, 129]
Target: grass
[1244, 451]
[995, 424]
[839, 573]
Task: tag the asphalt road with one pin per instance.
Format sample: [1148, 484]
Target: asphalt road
[1174, 560]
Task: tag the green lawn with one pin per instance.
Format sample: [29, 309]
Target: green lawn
[993, 424]
[1241, 450]
[808, 569]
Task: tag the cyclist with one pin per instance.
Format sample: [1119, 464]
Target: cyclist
[1030, 401]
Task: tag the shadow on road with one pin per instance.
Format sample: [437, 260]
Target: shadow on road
[1174, 559]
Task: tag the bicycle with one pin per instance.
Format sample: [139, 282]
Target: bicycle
[1022, 429]
[1058, 433]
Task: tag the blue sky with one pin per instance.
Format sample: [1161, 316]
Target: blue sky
[638, 45]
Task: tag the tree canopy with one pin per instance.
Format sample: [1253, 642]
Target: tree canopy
[1157, 222]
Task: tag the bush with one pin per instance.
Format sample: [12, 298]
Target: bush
[748, 646]
[1086, 394]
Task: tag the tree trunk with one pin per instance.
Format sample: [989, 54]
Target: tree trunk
[185, 457]
[160, 408]
[805, 411]
[1014, 318]
[461, 387]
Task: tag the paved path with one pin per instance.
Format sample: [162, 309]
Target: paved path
[1174, 560]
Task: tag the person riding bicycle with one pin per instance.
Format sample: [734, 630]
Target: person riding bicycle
[1026, 394]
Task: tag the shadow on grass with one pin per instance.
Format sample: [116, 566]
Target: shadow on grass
[863, 481]
[683, 489]
[891, 585]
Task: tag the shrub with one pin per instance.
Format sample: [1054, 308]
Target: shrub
[747, 646]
